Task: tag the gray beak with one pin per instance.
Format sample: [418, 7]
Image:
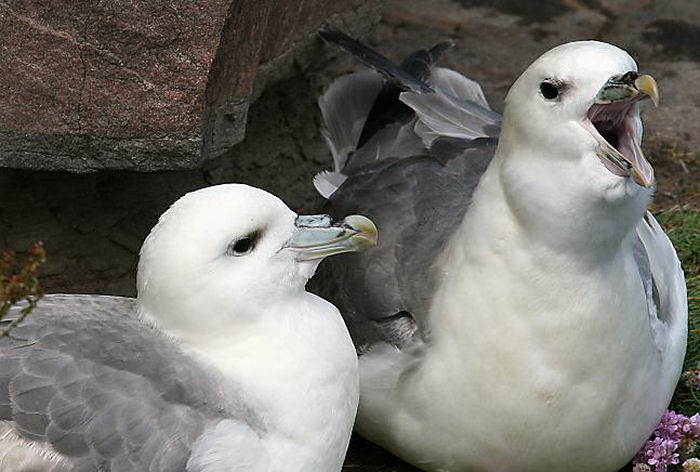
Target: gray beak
[628, 86]
[318, 236]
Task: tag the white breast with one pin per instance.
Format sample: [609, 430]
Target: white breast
[300, 366]
[536, 361]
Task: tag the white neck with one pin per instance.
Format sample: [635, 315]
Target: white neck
[543, 244]
[571, 204]
[297, 364]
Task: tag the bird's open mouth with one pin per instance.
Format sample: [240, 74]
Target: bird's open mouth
[615, 128]
[614, 123]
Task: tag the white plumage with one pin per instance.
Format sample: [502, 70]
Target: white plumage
[550, 327]
[223, 363]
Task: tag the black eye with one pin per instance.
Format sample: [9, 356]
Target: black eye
[549, 90]
[242, 246]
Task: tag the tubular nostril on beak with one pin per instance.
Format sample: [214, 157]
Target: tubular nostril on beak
[628, 86]
[629, 77]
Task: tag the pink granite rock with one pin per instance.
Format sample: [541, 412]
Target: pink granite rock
[125, 84]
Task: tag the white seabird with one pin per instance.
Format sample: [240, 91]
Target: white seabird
[523, 311]
[223, 363]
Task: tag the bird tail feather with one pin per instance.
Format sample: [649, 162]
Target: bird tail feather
[393, 72]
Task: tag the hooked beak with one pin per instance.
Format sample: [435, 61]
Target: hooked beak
[318, 236]
[614, 122]
[628, 86]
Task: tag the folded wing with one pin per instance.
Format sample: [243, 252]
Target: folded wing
[87, 384]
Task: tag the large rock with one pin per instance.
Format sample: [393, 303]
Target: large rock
[126, 84]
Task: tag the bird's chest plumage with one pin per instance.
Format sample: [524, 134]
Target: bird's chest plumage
[530, 367]
[557, 359]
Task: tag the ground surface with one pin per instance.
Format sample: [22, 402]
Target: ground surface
[93, 225]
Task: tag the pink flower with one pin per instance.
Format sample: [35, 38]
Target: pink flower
[675, 434]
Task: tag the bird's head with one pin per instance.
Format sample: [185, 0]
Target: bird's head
[233, 249]
[573, 128]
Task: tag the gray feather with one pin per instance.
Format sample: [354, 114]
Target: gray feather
[19, 455]
[397, 74]
[457, 109]
[454, 84]
[445, 115]
[344, 107]
[327, 182]
[415, 180]
[662, 278]
[87, 380]
[417, 203]
[394, 140]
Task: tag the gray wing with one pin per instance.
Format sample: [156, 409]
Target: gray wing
[84, 379]
[414, 175]
[664, 285]
[396, 110]
[416, 203]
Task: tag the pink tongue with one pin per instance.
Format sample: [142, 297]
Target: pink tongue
[606, 150]
[642, 172]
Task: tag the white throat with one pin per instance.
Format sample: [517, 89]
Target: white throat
[560, 193]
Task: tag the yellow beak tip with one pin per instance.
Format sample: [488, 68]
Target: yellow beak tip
[648, 86]
[365, 227]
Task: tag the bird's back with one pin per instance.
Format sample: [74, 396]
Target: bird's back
[89, 385]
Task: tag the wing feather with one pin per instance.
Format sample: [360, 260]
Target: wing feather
[668, 298]
[413, 171]
[85, 379]
[448, 116]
